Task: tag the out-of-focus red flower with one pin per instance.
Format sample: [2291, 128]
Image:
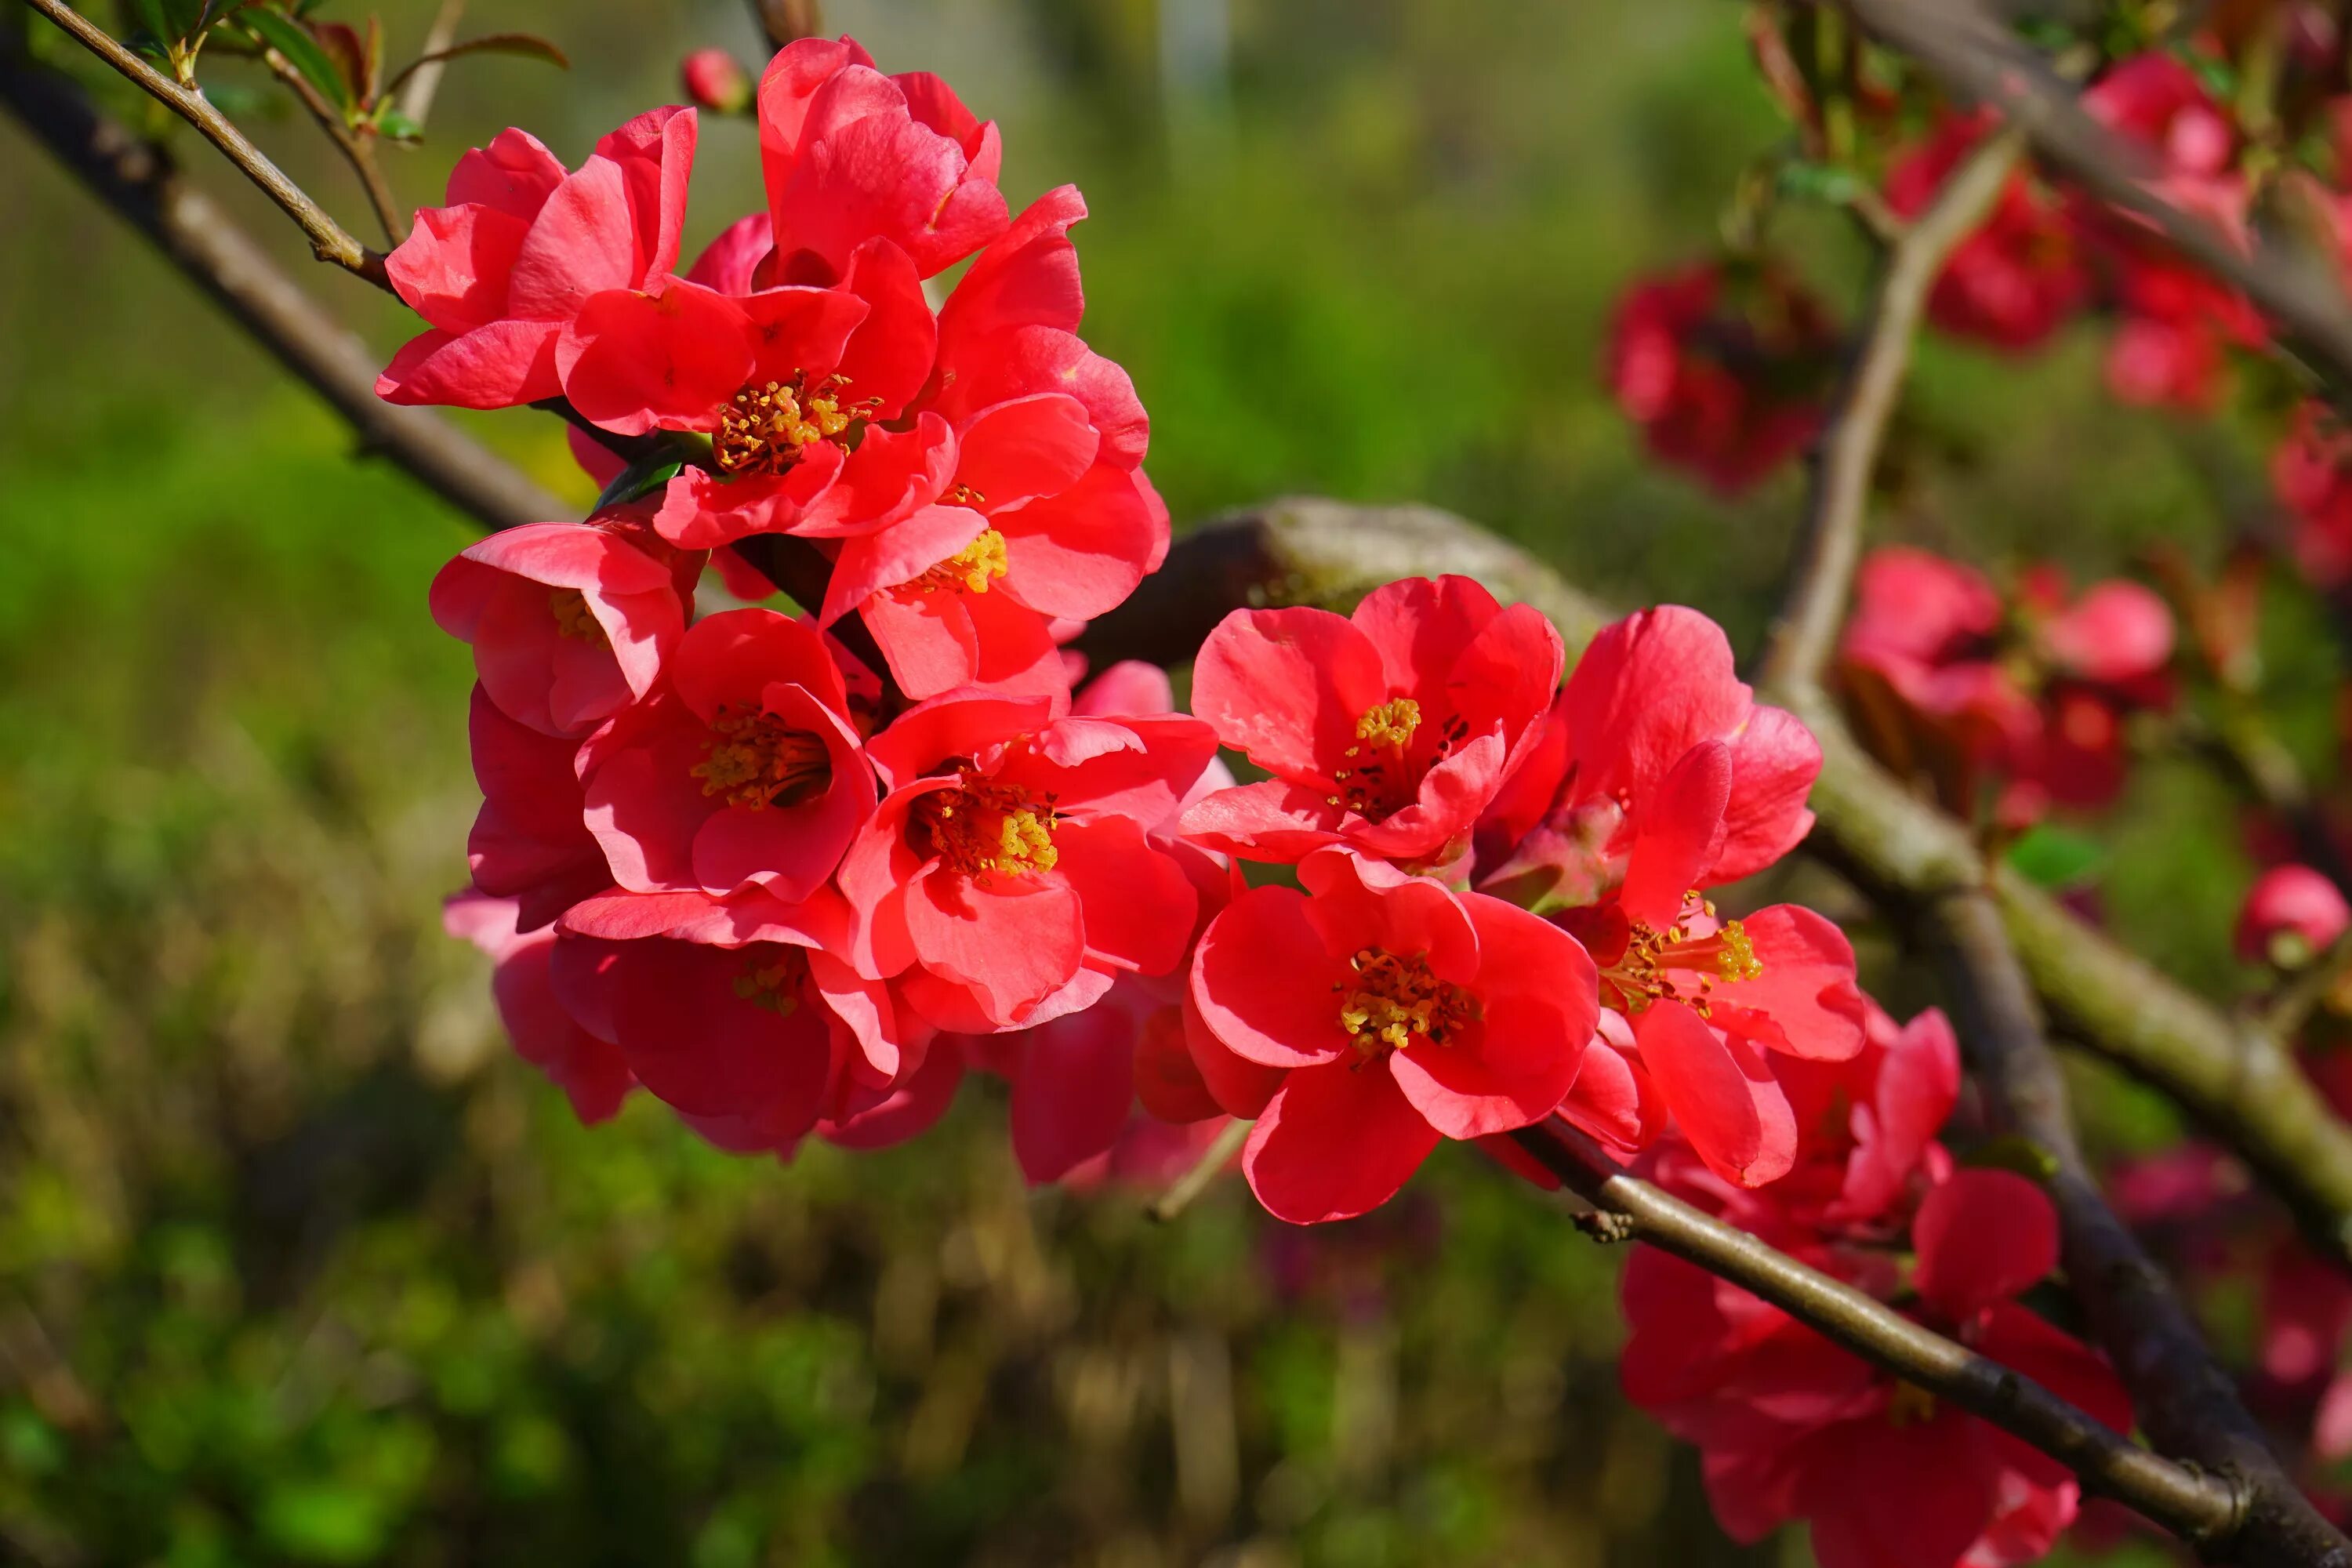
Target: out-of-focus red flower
[522, 247]
[2311, 472]
[1790, 1426]
[1725, 375]
[715, 80]
[568, 621]
[1946, 681]
[1366, 1018]
[1388, 730]
[1009, 873]
[2291, 914]
[2176, 321]
[744, 771]
[591, 1073]
[2022, 274]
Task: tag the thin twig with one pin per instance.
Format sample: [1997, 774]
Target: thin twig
[2308, 988]
[137, 179]
[1847, 455]
[328, 237]
[416, 99]
[2197, 1507]
[2185, 1401]
[358, 152]
[1205, 1170]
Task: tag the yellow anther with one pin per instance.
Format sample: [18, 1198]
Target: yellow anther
[971, 568]
[1910, 1405]
[771, 982]
[756, 760]
[574, 619]
[1674, 966]
[984, 829]
[763, 428]
[1390, 723]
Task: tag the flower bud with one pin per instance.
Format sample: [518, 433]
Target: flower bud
[715, 80]
[2290, 914]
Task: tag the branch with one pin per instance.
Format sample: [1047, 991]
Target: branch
[326, 237]
[2198, 1508]
[1976, 58]
[1844, 462]
[138, 181]
[2184, 1401]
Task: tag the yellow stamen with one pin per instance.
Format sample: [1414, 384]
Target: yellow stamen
[1653, 959]
[763, 428]
[971, 568]
[1391, 724]
[983, 827]
[757, 761]
[1395, 1001]
[574, 619]
[771, 976]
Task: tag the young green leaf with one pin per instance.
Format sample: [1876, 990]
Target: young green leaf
[293, 40]
[2052, 857]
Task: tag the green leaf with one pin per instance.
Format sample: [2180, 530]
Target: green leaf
[643, 476]
[1819, 181]
[530, 45]
[2054, 857]
[2011, 1153]
[325, 1523]
[392, 125]
[293, 40]
[152, 18]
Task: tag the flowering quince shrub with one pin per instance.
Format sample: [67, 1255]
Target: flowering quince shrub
[1412, 873]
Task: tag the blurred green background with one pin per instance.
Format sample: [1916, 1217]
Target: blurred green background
[298, 1264]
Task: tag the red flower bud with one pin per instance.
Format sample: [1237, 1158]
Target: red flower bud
[716, 81]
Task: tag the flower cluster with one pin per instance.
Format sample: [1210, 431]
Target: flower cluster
[1789, 1426]
[1947, 680]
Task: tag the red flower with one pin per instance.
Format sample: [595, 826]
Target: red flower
[1623, 782]
[2312, 471]
[1947, 682]
[593, 1073]
[744, 772]
[1008, 873]
[568, 621]
[1376, 1016]
[2178, 322]
[1790, 1426]
[2019, 277]
[2291, 915]
[738, 1013]
[1726, 378]
[522, 247]
[715, 80]
[1388, 730]
[850, 155]
[529, 841]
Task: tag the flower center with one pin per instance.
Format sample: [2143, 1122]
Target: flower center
[1380, 780]
[1393, 1000]
[574, 619]
[771, 978]
[972, 568]
[1911, 1406]
[763, 428]
[756, 760]
[983, 827]
[1390, 723]
[1672, 965]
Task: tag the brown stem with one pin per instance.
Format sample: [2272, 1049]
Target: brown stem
[786, 21]
[326, 237]
[359, 152]
[2197, 1507]
[1847, 456]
